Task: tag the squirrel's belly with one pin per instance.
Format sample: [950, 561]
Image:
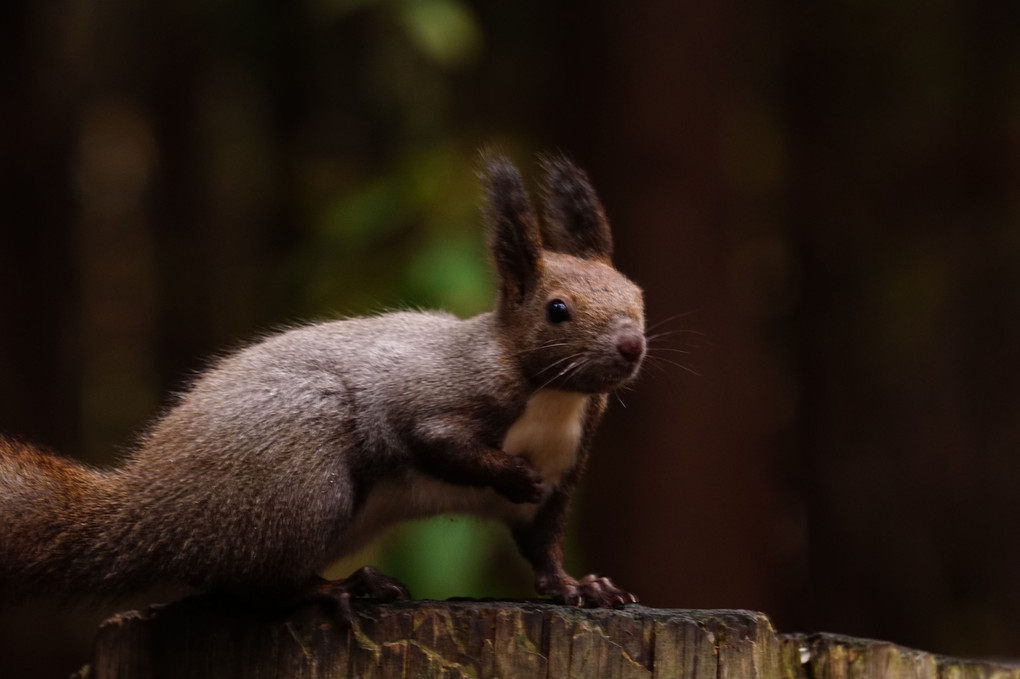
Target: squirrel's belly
[421, 497]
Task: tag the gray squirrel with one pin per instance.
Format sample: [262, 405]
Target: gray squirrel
[304, 446]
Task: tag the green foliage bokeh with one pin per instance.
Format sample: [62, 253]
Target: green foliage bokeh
[409, 235]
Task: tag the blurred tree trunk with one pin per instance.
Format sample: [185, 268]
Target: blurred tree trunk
[693, 453]
[904, 200]
[36, 207]
[836, 203]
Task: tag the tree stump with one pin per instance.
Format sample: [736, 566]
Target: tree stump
[201, 637]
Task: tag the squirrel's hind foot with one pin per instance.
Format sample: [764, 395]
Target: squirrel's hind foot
[366, 581]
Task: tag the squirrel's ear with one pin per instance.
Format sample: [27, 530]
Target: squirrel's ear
[575, 222]
[514, 236]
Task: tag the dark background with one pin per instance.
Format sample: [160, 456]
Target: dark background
[821, 200]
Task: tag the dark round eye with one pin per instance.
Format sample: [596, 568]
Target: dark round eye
[556, 311]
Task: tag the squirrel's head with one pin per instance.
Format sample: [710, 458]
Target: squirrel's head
[570, 319]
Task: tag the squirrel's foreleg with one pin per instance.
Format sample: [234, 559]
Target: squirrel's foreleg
[541, 543]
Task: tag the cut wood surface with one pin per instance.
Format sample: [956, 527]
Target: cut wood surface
[201, 637]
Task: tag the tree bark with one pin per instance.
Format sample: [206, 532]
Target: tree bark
[204, 637]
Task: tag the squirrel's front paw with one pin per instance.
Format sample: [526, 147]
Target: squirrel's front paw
[591, 591]
[520, 482]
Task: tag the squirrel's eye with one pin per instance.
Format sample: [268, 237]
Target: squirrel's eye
[556, 311]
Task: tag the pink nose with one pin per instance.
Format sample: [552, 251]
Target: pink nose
[631, 346]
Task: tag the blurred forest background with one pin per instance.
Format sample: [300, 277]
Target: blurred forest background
[821, 199]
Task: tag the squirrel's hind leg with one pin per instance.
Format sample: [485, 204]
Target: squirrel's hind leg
[366, 581]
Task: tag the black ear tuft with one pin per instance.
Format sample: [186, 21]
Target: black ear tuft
[575, 222]
[514, 236]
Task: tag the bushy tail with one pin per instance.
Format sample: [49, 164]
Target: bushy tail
[48, 506]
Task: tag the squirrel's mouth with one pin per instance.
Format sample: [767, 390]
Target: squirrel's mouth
[620, 378]
[600, 374]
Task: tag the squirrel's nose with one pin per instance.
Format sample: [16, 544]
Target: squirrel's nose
[631, 346]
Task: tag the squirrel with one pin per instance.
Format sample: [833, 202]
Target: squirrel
[302, 447]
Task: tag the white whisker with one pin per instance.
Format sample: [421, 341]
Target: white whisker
[678, 365]
[544, 346]
[559, 374]
[668, 333]
[671, 319]
[557, 362]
